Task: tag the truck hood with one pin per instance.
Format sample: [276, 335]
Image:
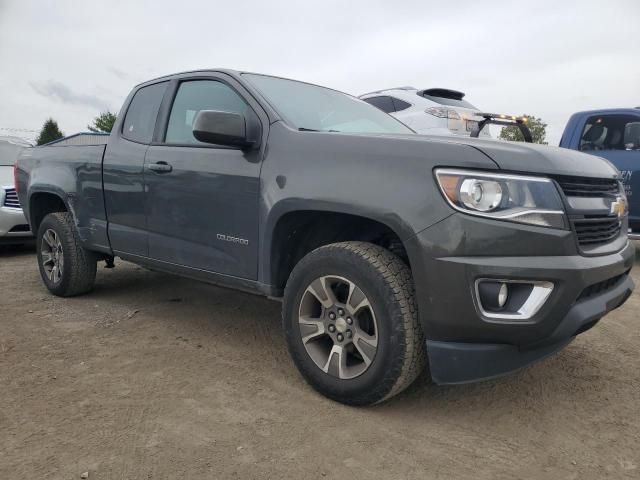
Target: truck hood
[533, 158]
[512, 156]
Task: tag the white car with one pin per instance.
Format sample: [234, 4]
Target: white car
[14, 228]
[435, 111]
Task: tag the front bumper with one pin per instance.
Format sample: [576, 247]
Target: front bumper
[453, 363]
[464, 346]
[12, 225]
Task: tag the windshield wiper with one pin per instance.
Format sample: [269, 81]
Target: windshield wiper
[304, 129]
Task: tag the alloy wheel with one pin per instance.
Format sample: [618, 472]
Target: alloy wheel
[338, 327]
[52, 256]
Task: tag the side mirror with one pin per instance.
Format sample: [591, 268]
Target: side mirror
[224, 128]
[632, 135]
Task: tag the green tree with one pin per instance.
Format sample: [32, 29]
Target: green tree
[103, 122]
[50, 132]
[536, 125]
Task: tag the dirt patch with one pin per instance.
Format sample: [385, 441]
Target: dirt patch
[153, 376]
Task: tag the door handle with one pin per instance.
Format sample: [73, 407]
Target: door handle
[159, 167]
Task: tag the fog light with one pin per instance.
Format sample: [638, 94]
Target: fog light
[511, 300]
[493, 295]
[503, 294]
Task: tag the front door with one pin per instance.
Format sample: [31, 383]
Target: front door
[628, 162]
[616, 137]
[202, 199]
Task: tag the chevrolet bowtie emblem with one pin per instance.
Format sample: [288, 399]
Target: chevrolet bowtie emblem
[619, 207]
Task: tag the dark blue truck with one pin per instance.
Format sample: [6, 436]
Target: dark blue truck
[613, 134]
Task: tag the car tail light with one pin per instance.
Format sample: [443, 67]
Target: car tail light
[442, 112]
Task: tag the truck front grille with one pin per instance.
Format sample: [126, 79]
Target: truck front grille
[592, 230]
[11, 198]
[597, 230]
[589, 187]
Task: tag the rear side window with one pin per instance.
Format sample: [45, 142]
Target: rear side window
[384, 103]
[611, 132]
[140, 120]
[196, 95]
[400, 104]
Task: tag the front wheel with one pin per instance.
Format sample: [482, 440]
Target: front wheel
[66, 268]
[351, 323]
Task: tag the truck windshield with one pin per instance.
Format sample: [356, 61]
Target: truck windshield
[313, 108]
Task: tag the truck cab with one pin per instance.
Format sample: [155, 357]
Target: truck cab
[613, 134]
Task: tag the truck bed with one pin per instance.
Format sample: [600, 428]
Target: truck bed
[74, 172]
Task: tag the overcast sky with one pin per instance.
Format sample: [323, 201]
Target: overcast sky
[72, 59]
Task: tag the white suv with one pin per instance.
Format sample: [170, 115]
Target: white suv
[13, 225]
[436, 111]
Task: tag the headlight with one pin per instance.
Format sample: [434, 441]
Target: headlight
[515, 198]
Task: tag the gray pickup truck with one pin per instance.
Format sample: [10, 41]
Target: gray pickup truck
[388, 249]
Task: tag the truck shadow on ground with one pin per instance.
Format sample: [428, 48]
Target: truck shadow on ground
[206, 313]
[15, 251]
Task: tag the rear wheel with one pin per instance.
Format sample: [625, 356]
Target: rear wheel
[66, 268]
[351, 323]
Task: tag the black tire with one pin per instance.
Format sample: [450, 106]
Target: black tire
[388, 286]
[79, 265]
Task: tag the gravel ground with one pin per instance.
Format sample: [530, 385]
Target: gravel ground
[153, 377]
